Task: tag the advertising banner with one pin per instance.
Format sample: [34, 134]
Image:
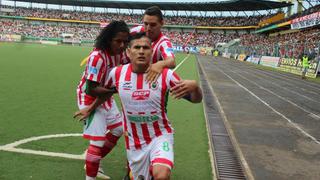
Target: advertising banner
[306, 21]
[10, 37]
[241, 57]
[226, 55]
[253, 59]
[191, 49]
[270, 61]
[295, 66]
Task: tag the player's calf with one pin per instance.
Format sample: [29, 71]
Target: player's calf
[93, 158]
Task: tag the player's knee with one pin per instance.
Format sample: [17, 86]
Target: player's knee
[97, 143]
[161, 173]
[161, 176]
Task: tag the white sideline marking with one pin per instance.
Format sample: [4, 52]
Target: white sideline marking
[315, 116]
[287, 89]
[265, 103]
[181, 63]
[12, 147]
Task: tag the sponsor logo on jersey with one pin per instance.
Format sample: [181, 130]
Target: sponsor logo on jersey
[143, 119]
[141, 95]
[93, 70]
[127, 85]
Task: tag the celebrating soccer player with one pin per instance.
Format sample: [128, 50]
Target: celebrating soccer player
[103, 127]
[162, 56]
[148, 132]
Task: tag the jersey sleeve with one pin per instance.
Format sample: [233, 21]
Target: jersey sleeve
[136, 29]
[172, 78]
[110, 82]
[96, 68]
[166, 49]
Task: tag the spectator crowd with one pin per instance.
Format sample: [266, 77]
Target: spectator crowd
[133, 18]
[290, 44]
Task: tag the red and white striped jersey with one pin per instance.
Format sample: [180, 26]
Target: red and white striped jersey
[143, 104]
[162, 47]
[136, 29]
[97, 69]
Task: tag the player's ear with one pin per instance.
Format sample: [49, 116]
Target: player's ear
[128, 52]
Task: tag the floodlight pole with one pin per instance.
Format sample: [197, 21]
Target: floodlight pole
[258, 13]
[131, 11]
[245, 13]
[269, 12]
[230, 13]
[215, 13]
[309, 3]
[300, 6]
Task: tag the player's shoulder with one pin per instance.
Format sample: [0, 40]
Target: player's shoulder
[97, 53]
[165, 41]
[167, 71]
[121, 67]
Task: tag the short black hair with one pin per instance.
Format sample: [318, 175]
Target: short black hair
[103, 40]
[154, 11]
[138, 36]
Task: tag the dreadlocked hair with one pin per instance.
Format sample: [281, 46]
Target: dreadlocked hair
[103, 40]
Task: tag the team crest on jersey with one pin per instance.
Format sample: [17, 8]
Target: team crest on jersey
[154, 85]
[141, 95]
[127, 85]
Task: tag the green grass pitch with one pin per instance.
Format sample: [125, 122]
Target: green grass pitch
[38, 97]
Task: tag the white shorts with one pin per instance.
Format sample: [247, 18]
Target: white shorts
[159, 151]
[101, 121]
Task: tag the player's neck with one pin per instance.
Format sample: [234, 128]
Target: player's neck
[157, 38]
[139, 68]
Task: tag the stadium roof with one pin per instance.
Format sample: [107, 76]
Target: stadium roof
[231, 5]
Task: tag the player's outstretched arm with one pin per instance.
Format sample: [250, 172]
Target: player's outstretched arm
[188, 89]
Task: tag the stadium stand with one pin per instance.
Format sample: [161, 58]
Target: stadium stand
[250, 43]
[133, 18]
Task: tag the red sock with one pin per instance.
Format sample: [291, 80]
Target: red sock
[93, 158]
[111, 141]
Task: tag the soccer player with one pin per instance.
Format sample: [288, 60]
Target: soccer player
[148, 132]
[103, 127]
[162, 56]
